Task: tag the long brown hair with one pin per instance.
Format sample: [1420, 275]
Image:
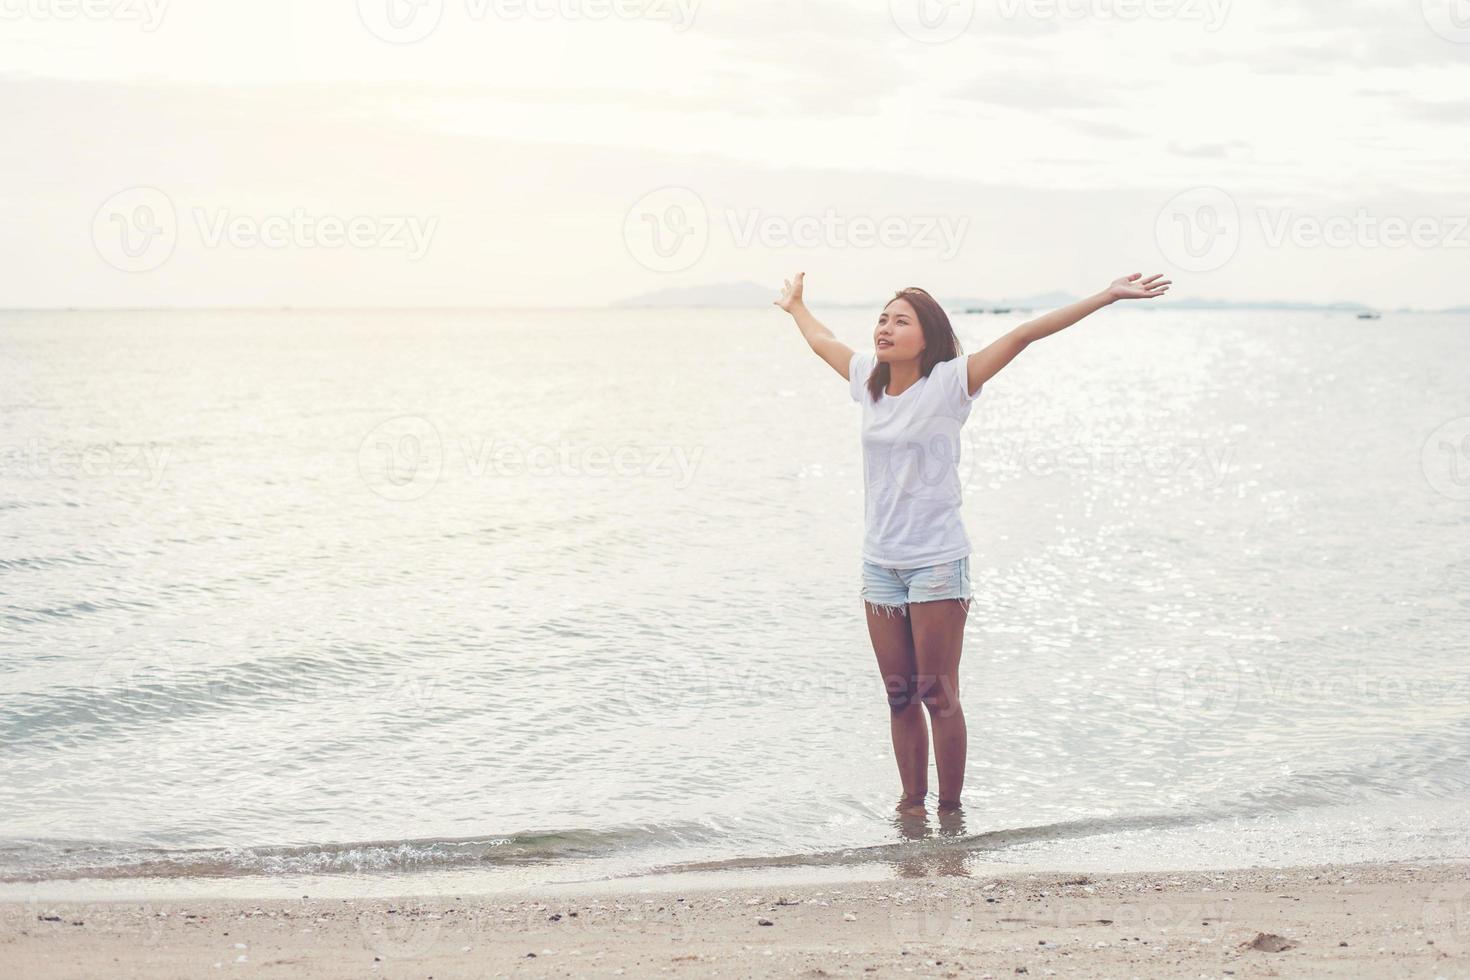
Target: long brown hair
[940, 342]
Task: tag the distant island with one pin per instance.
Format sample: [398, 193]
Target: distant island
[735, 295]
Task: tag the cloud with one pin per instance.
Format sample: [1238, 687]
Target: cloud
[1101, 130]
[1230, 149]
[1411, 106]
[1038, 91]
[530, 141]
[1324, 38]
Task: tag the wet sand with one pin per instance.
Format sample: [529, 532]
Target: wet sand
[1359, 920]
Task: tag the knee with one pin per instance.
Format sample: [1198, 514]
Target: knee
[901, 691]
[940, 694]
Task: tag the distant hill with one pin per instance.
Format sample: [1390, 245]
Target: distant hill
[1040, 301]
[1222, 304]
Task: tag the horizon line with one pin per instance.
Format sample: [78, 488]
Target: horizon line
[624, 305]
[268, 308]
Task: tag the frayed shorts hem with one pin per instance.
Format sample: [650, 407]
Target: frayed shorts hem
[892, 590]
[902, 608]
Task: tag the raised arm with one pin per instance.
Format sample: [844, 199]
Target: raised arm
[985, 364]
[820, 339]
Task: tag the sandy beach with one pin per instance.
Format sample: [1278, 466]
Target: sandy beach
[1352, 920]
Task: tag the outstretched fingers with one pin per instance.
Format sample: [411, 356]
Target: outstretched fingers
[790, 292]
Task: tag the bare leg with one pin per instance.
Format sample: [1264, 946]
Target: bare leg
[894, 645]
[939, 632]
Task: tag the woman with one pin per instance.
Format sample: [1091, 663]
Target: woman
[916, 393]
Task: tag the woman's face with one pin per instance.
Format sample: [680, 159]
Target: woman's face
[898, 336]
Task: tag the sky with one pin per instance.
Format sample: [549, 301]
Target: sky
[577, 152]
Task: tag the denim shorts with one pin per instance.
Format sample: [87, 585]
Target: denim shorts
[892, 589]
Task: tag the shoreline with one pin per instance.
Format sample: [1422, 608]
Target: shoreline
[1386, 919]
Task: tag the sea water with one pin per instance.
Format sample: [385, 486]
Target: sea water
[543, 596]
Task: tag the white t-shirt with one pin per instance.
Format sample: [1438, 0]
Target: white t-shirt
[911, 457]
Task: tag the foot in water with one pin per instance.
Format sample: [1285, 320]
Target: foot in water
[910, 805]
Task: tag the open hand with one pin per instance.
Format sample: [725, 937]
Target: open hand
[1136, 287]
[791, 295]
